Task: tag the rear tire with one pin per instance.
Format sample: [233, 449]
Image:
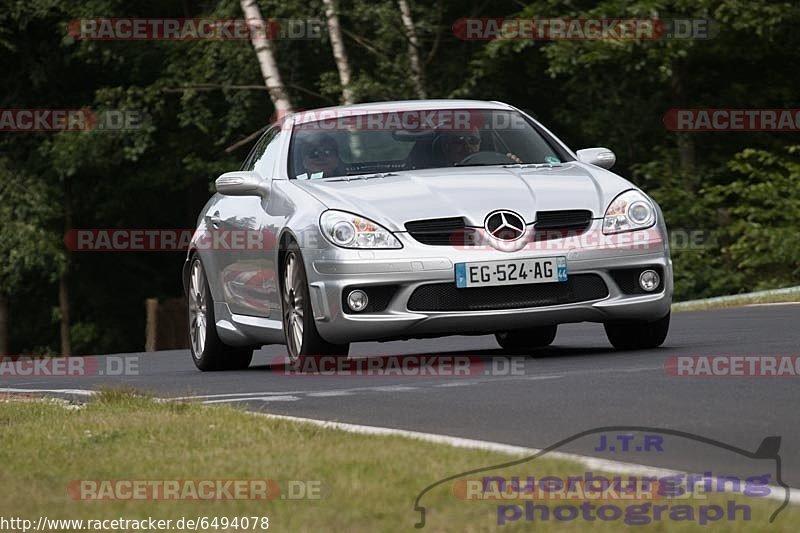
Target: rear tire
[209, 353]
[302, 338]
[521, 340]
[638, 334]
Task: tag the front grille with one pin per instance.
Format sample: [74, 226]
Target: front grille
[446, 297]
[627, 279]
[441, 232]
[564, 219]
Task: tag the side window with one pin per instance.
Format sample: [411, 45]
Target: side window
[265, 158]
[248, 162]
[262, 156]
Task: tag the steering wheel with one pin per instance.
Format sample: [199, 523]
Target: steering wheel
[489, 158]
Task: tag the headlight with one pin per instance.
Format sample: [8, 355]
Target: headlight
[629, 211]
[352, 231]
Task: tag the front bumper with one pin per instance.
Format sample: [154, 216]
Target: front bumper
[331, 270]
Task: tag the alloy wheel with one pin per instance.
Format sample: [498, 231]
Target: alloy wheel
[197, 309]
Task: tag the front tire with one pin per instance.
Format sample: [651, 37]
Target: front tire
[521, 340]
[638, 334]
[208, 351]
[302, 338]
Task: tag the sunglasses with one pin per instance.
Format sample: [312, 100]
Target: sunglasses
[463, 139]
[315, 153]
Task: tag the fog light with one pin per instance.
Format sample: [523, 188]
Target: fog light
[649, 280]
[357, 300]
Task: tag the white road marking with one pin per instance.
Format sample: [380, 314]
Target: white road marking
[261, 395]
[393, 388]
[456, 384]
[286, 398]
[773, 303]
[232, 395]
[330, 393]
[538, 378]
[639, 369]
[76, 392]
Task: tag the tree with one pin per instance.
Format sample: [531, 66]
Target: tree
[339, 51]
[29, 251]
[417, 74]
[760, 234]
[262, 44]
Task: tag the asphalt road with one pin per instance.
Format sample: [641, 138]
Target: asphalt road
[578, 384]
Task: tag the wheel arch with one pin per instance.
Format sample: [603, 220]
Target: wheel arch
[287, 237]
[187, 266]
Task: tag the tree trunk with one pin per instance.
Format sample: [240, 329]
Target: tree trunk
[266, 59]
[417, 75]
[339, 51]
[63, 288]
[3, 325]
[686, 152]
[63, 304]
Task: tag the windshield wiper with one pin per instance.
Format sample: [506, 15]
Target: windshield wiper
[534, 165]
[360, 176]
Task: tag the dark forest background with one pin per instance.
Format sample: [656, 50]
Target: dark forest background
[740, 192]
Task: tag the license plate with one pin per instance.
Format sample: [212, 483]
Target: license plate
[511, 272]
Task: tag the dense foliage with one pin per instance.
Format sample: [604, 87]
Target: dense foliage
[739, 192]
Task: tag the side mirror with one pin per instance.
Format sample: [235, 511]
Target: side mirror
[601, 157]
[242, 183]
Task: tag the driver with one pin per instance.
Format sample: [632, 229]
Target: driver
[457, 145]
[321, 154]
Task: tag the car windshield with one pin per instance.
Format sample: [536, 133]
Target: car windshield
[341, 143]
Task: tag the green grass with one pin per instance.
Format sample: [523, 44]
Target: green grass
[701, 305]
[368, 483]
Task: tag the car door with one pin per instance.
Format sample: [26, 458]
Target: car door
[248, 273]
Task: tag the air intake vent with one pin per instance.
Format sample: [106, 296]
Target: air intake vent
[441, 231]
[565, 219]
[446, 297]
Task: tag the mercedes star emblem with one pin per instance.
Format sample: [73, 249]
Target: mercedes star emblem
[505, 225]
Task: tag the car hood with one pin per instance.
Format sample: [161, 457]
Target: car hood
[469, 192]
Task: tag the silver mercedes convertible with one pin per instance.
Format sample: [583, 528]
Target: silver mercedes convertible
[401, 220]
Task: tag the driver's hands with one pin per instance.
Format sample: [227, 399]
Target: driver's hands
[515, 157]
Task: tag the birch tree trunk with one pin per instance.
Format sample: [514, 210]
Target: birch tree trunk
[265, 53]
[339, 51]
[417, 76]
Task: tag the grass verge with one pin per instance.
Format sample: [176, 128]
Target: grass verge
[736, 301]
[367, 483]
